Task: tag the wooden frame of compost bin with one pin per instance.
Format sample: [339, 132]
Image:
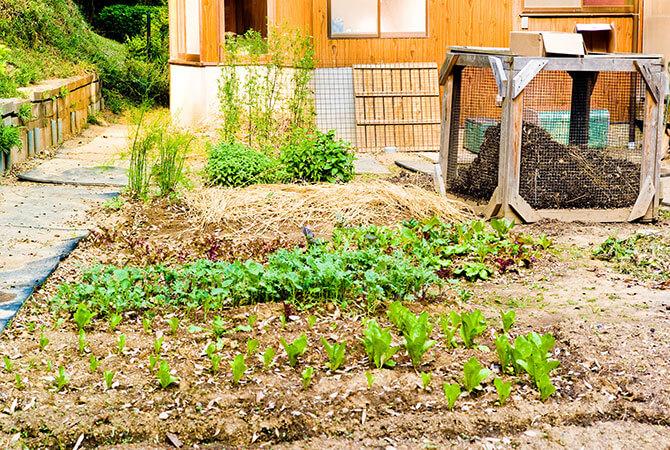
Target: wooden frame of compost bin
[513, 74]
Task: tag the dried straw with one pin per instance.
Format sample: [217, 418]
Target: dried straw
[262, 209]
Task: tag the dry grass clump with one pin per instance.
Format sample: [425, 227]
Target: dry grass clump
[262, 209]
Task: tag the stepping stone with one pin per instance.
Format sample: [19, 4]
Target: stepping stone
[76, 172]
[369, 165]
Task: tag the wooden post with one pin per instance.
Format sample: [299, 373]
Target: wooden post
[451, 109]
[580, 108]
[210, 33]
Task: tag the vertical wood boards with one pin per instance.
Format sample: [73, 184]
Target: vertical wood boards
[397, 105]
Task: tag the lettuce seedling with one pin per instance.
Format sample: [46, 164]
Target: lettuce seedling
[82, 316]
[158, 345]
[93, 363]
[544, 385]
[82, 342]
[504, 351]
[377, 342]
[307, 375]
[295, 349]
[18, 381]
[252, 347]
[449, 325]
[238, 367]
[153, 360]
[9, 365]
[268, 357]
[508, 319]
[335, 354]
[473, 324]
[173, 323]
[311, 321]
[218, 326]
[216, 362]
[146, 324]
[451, 393]
[426, 379]
[503, 388]
[62, 379]
[531, 353]
[415, 329]
[44, 341]
[474, 374]
[252, 319]
[108, 377]
[121, 344]
[502, 226]
[369, 378]
[114, 321]
[165, 378]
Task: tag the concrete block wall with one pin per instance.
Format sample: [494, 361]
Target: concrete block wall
[60, 110]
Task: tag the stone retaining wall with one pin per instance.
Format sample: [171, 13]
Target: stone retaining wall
[60, 109]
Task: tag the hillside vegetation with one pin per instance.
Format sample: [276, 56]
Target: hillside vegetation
[42, 39]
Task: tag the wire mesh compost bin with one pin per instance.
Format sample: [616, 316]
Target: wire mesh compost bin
[553, 137]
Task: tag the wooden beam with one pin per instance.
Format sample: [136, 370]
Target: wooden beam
[524, 210]
[644, 200]
[527, 74]
[650, 79]
[210, 33]
[501, 78]
[450, 127]
[493, 208]
[448, 66]
[649, 148]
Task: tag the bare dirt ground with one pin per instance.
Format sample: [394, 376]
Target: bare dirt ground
[612, 332]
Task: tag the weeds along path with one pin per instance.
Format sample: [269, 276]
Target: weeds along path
[44, 218]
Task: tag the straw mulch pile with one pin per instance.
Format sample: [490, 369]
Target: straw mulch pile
[265, 209]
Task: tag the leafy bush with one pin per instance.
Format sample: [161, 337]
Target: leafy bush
[320, 157]
[10, 137]
[120, 22]
[236, 165]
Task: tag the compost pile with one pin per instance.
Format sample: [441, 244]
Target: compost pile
[553, 175]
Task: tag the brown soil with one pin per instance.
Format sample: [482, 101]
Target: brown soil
[554, 175]
[613, 341]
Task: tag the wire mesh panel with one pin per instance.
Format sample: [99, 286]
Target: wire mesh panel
[475, 131]
[582, 140]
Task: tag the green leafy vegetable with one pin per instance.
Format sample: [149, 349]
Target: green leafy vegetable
[268, 357]
[415, 329]
[307, 375]
[503, 388]
[238, 367]
[377, 342]
[108, 377]
[474, 374]
[335, 354]
[82, 316]
[473, 324]
[508, 319]
[451, 393]
[426, 379]
[164, 375]
[295, 349]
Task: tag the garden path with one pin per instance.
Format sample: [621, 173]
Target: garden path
[43, 219]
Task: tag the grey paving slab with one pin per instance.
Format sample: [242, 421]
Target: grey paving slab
[77, 172]
[365, 164]
[416, 166]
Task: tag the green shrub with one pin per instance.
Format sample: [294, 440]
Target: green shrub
[120, 22]
[320, 157]
[10, 137]
[236, 165]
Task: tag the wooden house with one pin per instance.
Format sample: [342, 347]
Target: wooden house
[385, 52]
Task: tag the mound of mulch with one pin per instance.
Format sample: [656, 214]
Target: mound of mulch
[553, 175]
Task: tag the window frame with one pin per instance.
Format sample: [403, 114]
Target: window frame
[379, 34]
[582, 9]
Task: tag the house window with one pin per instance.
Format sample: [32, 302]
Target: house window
[378, 18]
[577, 4]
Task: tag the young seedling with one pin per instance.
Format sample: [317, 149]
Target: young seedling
[311, 321]
[295, 349]
[215, 359]
[531, 353]
[32, 326]
[451, 393]
[121, 344]
[474, 374]
[165, 378]
[44, 341]
[114, 321]
[415, 329]
[146, 324]
[108, 377]
[426, 379]
[268, 357]
[508, 319]
[472, 325]
[307, 375]
[93, 363]
[449, 325]
[238, 367]
[82, 317]
[61, 379]
[82, 342]
[58, 324]
[158, 345]
[153, 360]
[335, 354]
[218, 327]
[370, 379]
[251, 320]
[8, 364]
[282, 321]
[504, 389]
[252, 347]
[18, 381]
[173, 323]
[377, 342]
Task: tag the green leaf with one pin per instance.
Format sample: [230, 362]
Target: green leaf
[295, 349]
[508, 319]
[335, 354]
[503, 388]
[474, 374]
[451, 393]
[238, 367]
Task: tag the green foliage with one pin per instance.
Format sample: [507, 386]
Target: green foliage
[532, 354]
[10, 137]
[451, 393]
[168, 169]
[121, 344]
[295, 349]
[114, 321]
[502, 226]
[252, 347]
[236, 165]
[450, 324]
[415, 329]
[158, 345]
[426, 379]
[265, 93]
[319, 157]
[82, 342]
[473, 324]
[508, 319]
[173, 323]
[644, 256]
[82, 316]
[307, 376]
[503, 389]
[165, 378]
[62, 379]
[8, 364]
[474, 374]
[335, 354]
[377, 342]
[143, 141]
[238, 367]
[504, 351]
[25, 113]
[370, 378]
[268, 357]
[219, 326]
[93, 363]
[120, 22]
[18, 381]
[108, 377]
